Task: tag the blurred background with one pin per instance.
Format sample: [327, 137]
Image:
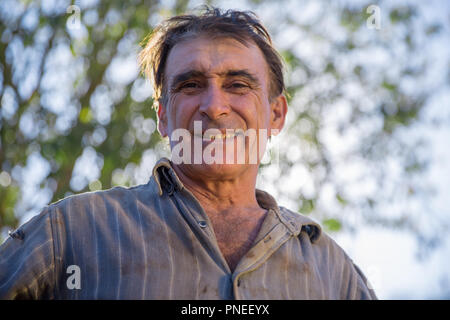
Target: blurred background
[365, 151]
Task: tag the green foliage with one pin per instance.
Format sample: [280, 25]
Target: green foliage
[401, 14]
[109, 30]
[8, 198]
[332, 224]
[64, 96]
[307, 206]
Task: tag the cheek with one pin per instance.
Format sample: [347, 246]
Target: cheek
[182, 109]
[254, 111]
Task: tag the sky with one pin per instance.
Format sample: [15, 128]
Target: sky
[390, 256]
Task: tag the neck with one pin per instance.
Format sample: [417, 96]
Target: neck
[221, 195]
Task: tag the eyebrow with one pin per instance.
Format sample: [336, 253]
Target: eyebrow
[199, 74]
[186, 76]
[241, 73]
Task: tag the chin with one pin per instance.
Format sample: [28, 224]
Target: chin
[214, 163]
[218, 171]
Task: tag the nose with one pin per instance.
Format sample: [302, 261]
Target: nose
[214, 102]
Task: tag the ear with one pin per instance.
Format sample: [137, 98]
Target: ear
[162, 120]
[278, 108]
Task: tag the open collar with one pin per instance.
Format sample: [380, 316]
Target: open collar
[167, 180]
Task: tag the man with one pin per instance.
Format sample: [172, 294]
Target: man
[199, 229]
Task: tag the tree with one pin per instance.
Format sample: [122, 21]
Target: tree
[76, 113]
[66, 98]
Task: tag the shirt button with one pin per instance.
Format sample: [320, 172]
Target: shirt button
[202, 224]
[18, 234]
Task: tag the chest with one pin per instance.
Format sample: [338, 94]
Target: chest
[235, 238]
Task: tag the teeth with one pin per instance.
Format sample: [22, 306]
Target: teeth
[222, 136]
[219, 136]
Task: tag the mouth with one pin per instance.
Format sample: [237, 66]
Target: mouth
[225, 134]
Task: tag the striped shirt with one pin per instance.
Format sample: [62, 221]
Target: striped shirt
[155, 241]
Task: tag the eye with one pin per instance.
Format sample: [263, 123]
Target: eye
[239, 85]
[189, 85]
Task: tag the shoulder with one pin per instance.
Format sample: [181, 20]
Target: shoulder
[302, 223]
[75, 207]
[316, 243]
[76, 215]
[323, 246]
[98, 201]
[36, 230]
[330, 260]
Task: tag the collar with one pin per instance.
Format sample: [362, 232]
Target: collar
[167, 180]
[165, 177]
[294, 222]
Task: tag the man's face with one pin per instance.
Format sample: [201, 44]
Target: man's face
[221, 84]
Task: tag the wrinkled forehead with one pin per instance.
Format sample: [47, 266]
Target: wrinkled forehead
[214, 57]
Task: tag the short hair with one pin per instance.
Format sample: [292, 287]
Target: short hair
[242, 26]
